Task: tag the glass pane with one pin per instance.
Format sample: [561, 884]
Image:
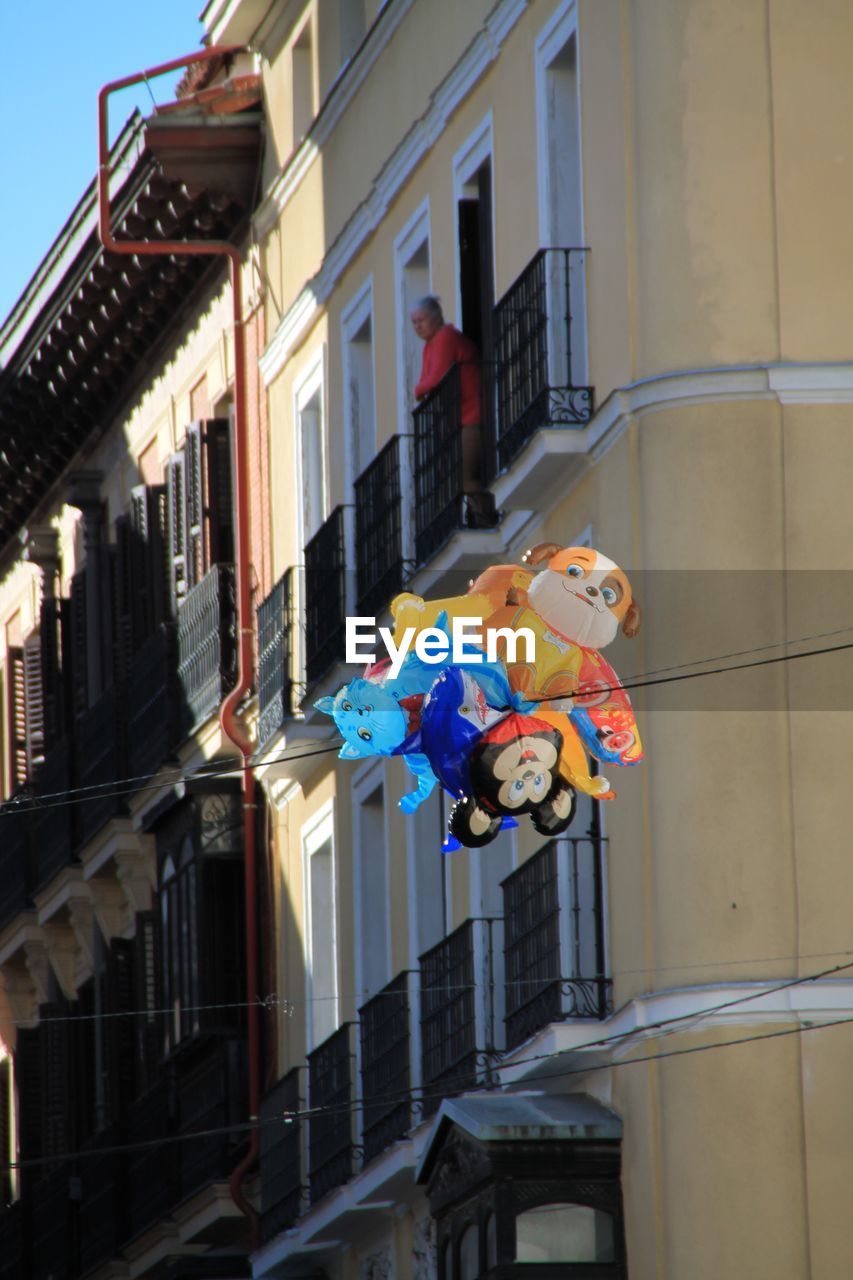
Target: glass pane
[469, 1255]
[564, 1233]
[491, 1242]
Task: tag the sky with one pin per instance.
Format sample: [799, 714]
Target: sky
[56, 56]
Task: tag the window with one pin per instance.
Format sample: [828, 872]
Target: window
[472, 183]
[24, 712]
[179, 944]
[372, 939]
[321, 984]
[564, 1233]
[311, 451]
[199, 505]
[359, 396]
[353, 23]
[303, 84]
[413, 279]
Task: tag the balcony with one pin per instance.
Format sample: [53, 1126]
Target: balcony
[16, 860]
[211, 1095]
[153, 729]
[439, 497]
[275, 657]
[379, 531]
[12, 1242]
[538, 347]
[103, 1202]
[207, 646]
[325, 597]
[53, 1205]
[554, 938]
[385, 1075]
[100, 755]
[330, 1144]
[281, 1162]
[459, 1012]
[150, 1170]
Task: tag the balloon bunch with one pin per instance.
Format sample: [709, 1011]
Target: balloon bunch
[504, 735]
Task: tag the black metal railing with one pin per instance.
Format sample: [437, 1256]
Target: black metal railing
[325, 597]
[53, 825]
[151, 1181]
[281, 1156]
[153, 713]
[210, 1092]
[535, 345]
[450, 1053]
[207, 645]
[330, 1144]
[385, 1075]
[103, 1200]
[100, 759]
[379, 531]
[275, 658]
[16, 859]
[439, 497]
[554, 937]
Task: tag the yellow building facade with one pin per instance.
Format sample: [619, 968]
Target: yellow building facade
[693, 153]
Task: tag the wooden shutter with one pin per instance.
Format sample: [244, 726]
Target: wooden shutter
[177, 506]
[6, 1153]
[81, 1089]
[148, 536]
[55, 1072]
[125, 592]
[209, 496]
[33, 702]
[78, 637]
[147, 1023]
[16, 718]
[118, 1028]
[53, 693]
[221, 931]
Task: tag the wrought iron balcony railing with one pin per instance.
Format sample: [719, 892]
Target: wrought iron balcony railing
[100, 759]
[275, 657]
[153, 720]
[330, 1144]
[554, 937]
[103, 1200]
[325, 597]
[281, 1157]
[379, 531]
[460, 989]
[151, 1181]
[207, 647]
[385, 1073]
[439, 498]
[210, 1091]
[538, 342]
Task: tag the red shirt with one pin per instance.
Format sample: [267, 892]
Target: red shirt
[447, 348]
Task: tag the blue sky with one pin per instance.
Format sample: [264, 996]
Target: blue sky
[56, 56]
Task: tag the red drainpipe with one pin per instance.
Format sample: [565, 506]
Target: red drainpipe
[230, 724]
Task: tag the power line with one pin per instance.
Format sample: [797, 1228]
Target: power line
[118, 787]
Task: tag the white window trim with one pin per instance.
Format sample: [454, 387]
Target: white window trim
[310, 380]
[364, 783]
[413, 233]
[557, 31]
[319, 828]
[475, 150]
[353, 316]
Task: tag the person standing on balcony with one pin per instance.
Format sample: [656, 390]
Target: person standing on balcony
[445, 346]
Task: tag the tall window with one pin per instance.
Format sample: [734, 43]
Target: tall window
[179, 943]
[413, 280]
[303, 84]
[372, 928]
[359, 397]
[321, 983]
[311, 448]
[353, 23]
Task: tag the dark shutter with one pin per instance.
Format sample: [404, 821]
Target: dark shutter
[177, 506]
[146, 1024]
[223, 948]
[125, 593]
[33, 702]
[55, 1071]
[117, 1028]
[53, 696]
[148, 533]
[84, 1029]
[77, 626]
[16, 717]
[6, 1153]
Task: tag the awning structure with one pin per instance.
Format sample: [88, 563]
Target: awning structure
[91, 326]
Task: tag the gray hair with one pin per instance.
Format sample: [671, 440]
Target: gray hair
[429, 302]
